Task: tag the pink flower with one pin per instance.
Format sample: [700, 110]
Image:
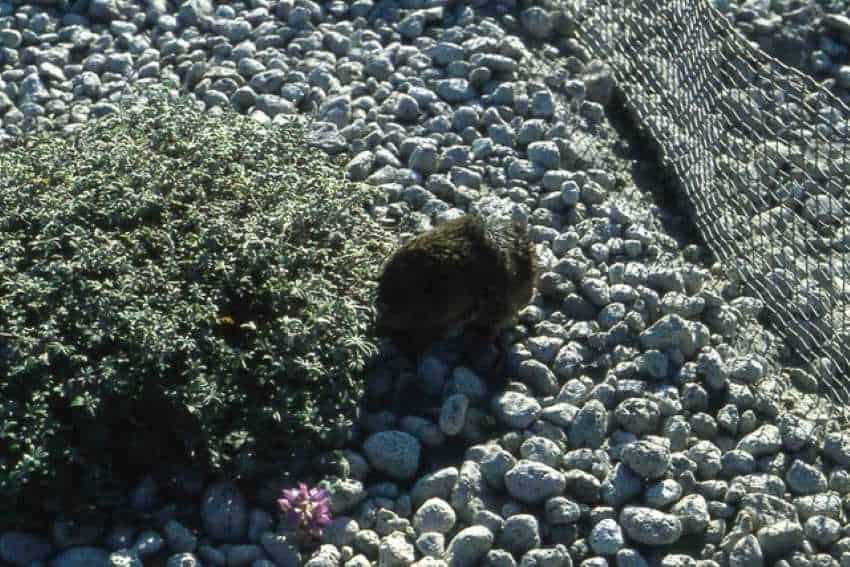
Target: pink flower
[306, 510]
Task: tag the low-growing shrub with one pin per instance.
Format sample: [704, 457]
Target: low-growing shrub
[168, 273]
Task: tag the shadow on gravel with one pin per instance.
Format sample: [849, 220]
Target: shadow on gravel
[650, 177]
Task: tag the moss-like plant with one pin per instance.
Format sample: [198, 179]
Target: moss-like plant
[179, 273]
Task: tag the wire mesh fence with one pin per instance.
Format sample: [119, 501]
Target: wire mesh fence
[759, 150]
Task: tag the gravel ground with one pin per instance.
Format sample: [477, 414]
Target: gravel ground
[647, 419]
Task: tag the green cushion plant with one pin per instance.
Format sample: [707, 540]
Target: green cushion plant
[205, 277]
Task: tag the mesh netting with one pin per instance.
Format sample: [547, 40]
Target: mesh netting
[759, 151]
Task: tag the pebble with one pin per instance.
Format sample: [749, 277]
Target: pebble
[606, 537]
[395, 551]
[20, 548]
[393, 452]
[649, 526]
[469, 546]
[495, 465]
[560, 510]
[79, 556]
[766, 440]
[183, 560]
[516, 410]
[590, 425]
[531, 482]
[780, 538]
[453, 414]
[431, 544]
[805, 479]
[693, 512]
[434, 515]
[646, 459]
[224, 513]
[520, 533]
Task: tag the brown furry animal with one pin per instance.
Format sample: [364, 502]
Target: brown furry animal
[466, 271]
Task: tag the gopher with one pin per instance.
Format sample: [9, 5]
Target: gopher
[467, 271]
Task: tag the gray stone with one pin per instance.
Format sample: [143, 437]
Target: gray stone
[82, 557]
[120, 537]
[746, 552]
[543, 104]
[445, 52]
[649, 526]
[224, 514]
[119, 63]
[345, 495]
[516, 410]
[424, 158]
[125, 558]
[707, 458]
[147, 543]
[590, 426]
[454, 90]
[328, 556]
[438, 484]
[192, 11]
[341, 531]
[282, 548]
[519, 534]
[836, 446]
[568, 362]
[663, 493]
[647, 459]
[412, 25]
[470, 494]
[822, 531]
[499, 558]
[544, 154]
[431, 544]
[68, 533]
[395, 453]
[360, 165]
[804, 479]
[406, 108]
[823, 209]
[638, 415]
[630, 558]
[103, 11]
[669, 332]
[537, 22]
[453, 414]
[693, 511]
[764, 441]
[494, 465]
[560, 511]
[542, 450]
[620, 486]
[606, 537]
[469, 546]
[780, 538]
[434, 515]
[259, 522]
[532, 482]
[551, 556]
[183, 560]
[561, 414]
[10, 38]
[244, 554]
[796, 431]
[21, 549]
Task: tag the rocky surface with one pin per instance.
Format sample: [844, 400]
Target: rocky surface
[634, 427]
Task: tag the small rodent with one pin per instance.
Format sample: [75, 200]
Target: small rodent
[467, 271]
